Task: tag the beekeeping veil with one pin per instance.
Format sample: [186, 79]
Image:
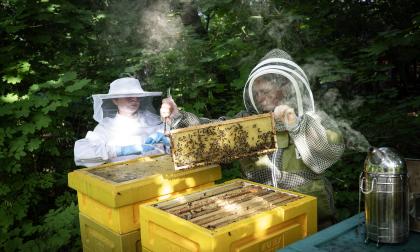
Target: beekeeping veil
[278, 70]
[124, 87]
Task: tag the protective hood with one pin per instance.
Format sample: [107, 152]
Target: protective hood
[277, 80]
[124, 87]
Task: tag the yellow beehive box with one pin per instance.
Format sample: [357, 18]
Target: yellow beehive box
[96, 238]
[123, 219]
[124, 183]
[110, 194]
[224, 141]
[238, 215]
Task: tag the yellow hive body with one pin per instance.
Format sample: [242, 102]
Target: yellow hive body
[121, 219]
[238, 215]
[221, 142]
[97, 238]
[111, 194]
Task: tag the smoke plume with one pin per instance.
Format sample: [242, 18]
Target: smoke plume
[333, 104]
[159, 28]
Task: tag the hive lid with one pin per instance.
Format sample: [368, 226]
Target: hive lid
[124, 183]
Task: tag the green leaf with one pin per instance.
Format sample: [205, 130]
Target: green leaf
[10, 98]
[198, 106]
[24, 67]
[41, 121]
[14, 244]
[28, 229]
[12, 79]
[34, 88]
[34, 144]
[4, 189]
[28, 128]
[17, 147]
[53, 106]
[15, 28]
[79, 84]
[68, 76]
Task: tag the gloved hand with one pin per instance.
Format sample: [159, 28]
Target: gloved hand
[286, 115]
[134, 149]
[168, 110]
[157, 137]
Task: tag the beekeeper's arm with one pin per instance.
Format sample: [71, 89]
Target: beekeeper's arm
[181, 119]
[316, 137]
[95, 150]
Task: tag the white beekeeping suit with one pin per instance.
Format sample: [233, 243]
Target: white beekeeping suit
[117, 137]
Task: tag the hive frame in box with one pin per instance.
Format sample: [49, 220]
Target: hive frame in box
[224, 141]
[265, 231]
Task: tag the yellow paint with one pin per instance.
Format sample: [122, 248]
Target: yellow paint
[98, 238]
[265, 231]
[115, 205]
[121, 219]
[117, 194]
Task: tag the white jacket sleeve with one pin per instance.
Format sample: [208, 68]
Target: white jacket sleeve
[93, 149]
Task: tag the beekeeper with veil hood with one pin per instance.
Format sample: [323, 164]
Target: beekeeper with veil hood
[128, 126]
[308, 141]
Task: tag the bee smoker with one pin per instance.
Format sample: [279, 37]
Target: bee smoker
[384, 182]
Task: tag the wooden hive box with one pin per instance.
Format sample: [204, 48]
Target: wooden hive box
[238, 215]
[224, 141]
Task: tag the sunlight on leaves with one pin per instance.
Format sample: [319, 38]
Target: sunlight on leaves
[12, 79]
[10, 98]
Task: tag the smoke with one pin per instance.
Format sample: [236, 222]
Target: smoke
[354, 139]
[158, 27]
[325, 66]
[333, 104]
[151, 25]
[327, 69]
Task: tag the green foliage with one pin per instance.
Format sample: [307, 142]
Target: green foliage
[55, 54]
[60, 227]
[46, 75]
[344, 176]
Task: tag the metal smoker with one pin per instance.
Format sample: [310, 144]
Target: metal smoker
[384, 183]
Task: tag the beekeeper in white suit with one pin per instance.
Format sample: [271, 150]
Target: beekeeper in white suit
[128, 126]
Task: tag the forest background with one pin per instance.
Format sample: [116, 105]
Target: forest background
[362, 58]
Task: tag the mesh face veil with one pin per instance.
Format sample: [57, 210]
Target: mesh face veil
[277, 80]
[124, 87]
